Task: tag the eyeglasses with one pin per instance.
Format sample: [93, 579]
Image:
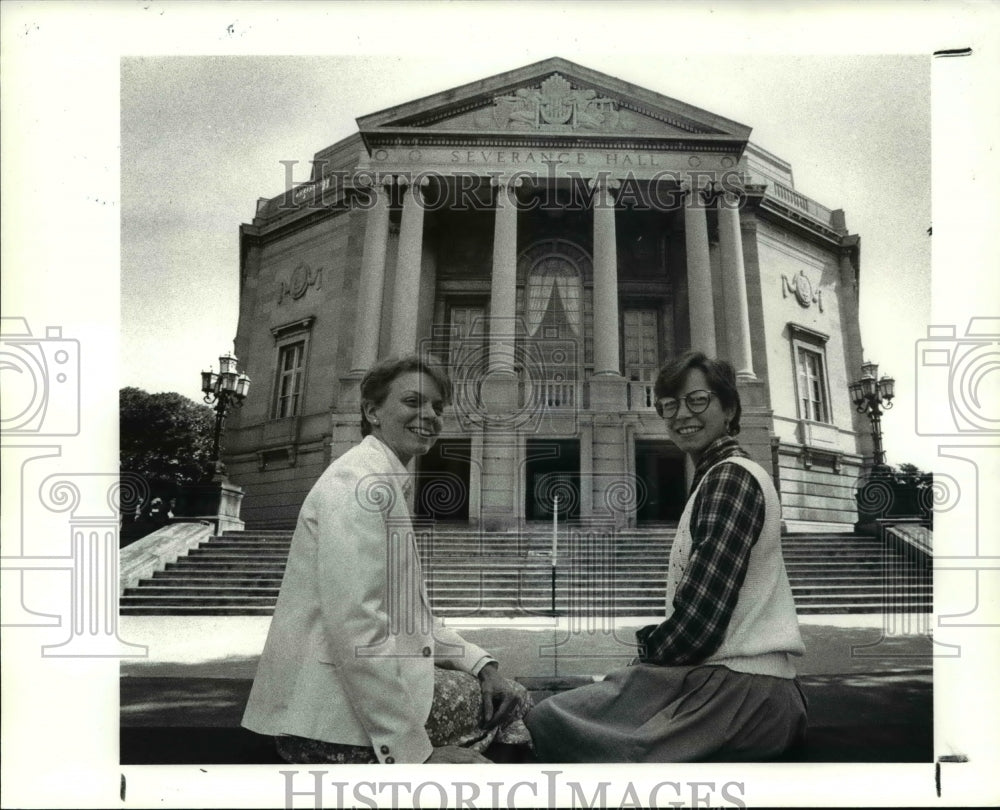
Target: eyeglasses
[696, 402]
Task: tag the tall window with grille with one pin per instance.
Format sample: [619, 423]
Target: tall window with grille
[467, 354]
[813, 402]
[289, 382]
[466, 333]
[812, 388]
[641, 355]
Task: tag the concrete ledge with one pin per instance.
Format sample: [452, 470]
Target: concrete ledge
[912, 534]
[852, 718]
[141, 558]
[817, 527]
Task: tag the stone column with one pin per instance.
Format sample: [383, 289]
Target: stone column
[499, 395]
[406, 295]
[608, 388]
[734, 286]
[699, 272]
[500, 384]
[606, 351]
[369, 311]
[586, 469]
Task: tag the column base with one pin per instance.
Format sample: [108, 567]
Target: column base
[608, 392]
[349, 399]
[216, 502]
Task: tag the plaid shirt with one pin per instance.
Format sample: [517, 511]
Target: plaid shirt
[726, 520]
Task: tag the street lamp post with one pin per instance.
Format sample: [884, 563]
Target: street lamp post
[227, 389]
[871, 396]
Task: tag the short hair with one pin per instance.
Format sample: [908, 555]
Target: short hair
[376, 382]
[719, 375]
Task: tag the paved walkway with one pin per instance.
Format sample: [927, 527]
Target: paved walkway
[870, 692]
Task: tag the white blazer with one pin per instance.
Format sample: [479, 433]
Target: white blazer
[351, 648]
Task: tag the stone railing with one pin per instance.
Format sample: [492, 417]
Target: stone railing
[140, 559]
[558, 394]
[640, 396]
[908, 534]
[790, 196]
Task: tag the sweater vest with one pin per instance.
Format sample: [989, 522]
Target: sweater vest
[763, 631]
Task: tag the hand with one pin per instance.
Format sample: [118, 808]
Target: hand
[455, 755]
[497, 688]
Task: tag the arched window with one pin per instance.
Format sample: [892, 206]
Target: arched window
[554, 277]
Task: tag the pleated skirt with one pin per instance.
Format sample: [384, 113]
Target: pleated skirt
[648, 713]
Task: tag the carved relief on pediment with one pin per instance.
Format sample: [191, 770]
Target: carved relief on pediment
[554, 105]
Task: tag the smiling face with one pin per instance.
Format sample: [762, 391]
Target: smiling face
[693, 432]
[409, 421]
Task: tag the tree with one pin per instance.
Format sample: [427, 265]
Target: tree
[918, 485]
[166, 438]
[907, 473]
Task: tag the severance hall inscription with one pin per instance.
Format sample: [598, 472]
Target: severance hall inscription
[415, 158]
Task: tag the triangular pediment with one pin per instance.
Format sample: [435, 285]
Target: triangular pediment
[553, 97]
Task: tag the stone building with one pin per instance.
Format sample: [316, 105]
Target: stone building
[553, 234]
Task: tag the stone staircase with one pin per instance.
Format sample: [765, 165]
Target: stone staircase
[470, 574]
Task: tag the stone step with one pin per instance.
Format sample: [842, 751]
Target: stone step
[205, 583]
[642, 541]
[469, 573]
[187, 563]
[196, 610]
[476, 550]
[857, 594]
[194, 599]
[579, 612]
[583, 604]
[495, 582]
[434, 568]
[174, 589]
[222, 562]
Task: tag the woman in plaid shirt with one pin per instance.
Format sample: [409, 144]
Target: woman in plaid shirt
[714, 680]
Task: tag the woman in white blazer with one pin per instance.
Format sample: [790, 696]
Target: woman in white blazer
[355, 667]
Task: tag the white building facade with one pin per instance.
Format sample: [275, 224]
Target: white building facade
[553, 235]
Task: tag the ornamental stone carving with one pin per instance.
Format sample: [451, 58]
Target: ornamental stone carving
[555, 105]
[301, 279]
[801, 287]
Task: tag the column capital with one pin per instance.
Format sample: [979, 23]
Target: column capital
[699, 195]
[506, 185]
[373, 180]
[506, 180]
[730, 199]
[604, 181]
[404, 180]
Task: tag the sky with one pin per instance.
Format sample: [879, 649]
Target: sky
[202, 138]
